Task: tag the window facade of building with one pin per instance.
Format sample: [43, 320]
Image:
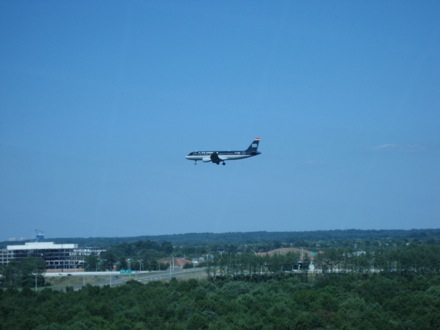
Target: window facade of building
[57, 256]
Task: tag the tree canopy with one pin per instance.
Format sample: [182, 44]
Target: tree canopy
[375, 301]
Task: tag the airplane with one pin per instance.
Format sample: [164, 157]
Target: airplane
[218, 157]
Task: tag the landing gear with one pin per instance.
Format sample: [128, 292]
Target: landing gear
[195, 162]
[224, 163]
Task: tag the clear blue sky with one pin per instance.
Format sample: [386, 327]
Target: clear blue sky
[100, 101]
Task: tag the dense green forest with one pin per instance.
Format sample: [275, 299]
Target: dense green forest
[332, 301]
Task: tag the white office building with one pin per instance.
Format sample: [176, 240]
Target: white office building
[57, 256]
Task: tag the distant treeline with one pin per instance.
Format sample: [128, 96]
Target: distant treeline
[139, 255]
[301, 238]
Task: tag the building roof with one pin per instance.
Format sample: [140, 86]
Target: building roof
[41, 246]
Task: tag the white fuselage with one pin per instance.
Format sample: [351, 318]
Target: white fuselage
[223, 155]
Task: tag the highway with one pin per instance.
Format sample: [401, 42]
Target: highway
[79, 279]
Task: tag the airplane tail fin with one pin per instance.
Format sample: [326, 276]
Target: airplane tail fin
[254, 146]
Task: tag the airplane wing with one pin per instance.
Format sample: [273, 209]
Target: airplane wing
[215, 158]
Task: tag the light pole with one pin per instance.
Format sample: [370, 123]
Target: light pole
[171, 266]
